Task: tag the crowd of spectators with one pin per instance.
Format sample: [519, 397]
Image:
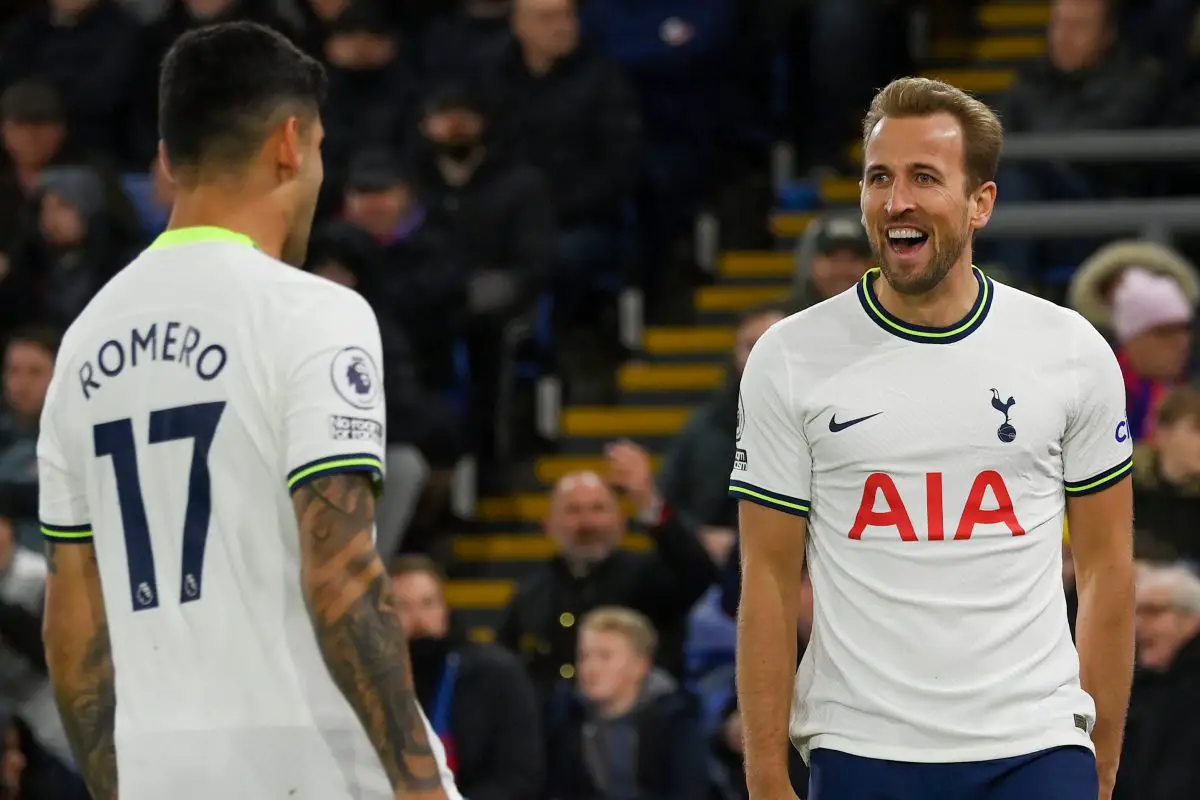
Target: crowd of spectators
[498, 167]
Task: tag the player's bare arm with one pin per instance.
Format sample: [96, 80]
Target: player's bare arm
[79, 658]
[1102, 542]
[353, 609]
[772, 545]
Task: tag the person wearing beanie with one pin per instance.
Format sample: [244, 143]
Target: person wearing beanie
[1152, 320]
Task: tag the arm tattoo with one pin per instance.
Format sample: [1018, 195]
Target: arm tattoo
[85, 692]
[353, 607]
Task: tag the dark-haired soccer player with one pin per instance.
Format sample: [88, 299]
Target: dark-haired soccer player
[918, 441]
[218, 622]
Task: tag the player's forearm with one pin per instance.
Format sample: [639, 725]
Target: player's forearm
[766, 659]
[1104, 635]
[80, 664]
[353, 607]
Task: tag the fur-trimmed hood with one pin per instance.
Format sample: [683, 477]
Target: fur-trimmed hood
[1091, 288]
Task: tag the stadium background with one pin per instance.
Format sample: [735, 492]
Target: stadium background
[573, 223]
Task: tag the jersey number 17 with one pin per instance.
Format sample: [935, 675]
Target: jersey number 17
[115, 439]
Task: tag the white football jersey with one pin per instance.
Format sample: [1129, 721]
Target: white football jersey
[933, 465]
[199, 387]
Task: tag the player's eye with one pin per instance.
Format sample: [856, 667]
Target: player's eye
[925, 178]
[877, 179]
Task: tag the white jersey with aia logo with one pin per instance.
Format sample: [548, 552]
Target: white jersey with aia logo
[933, 465]
[204, 382]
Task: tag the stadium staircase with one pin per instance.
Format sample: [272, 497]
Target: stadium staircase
[681, 366]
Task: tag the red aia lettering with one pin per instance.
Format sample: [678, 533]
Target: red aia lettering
[895, 514]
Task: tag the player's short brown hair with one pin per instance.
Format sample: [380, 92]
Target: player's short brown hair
[983, 135]
[632, 625]
[1181, 403]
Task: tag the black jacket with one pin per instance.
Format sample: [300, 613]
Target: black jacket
[663, 584]
[577, 123]
[495, 720]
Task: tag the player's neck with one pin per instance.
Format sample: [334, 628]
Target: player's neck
[945, 305]
[218, 207]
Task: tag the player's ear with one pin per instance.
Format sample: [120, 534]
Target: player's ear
[164, 163]
[289, 147]
[983, 201]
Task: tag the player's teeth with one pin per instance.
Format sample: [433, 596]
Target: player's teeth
[904, 233]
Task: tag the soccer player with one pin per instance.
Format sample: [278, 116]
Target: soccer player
[218, 622]
[918, 439]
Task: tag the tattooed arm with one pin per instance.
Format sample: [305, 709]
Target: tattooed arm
[79, 659]
[353, 608]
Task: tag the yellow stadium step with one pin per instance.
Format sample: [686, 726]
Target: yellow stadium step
[479, 594]
[670, 377]
[790, 224]
[798, 222]
[618, 421]
[990, 48]
[523, 508]
[737, 298]
[997, 15]
[976, 81]
[482, 635]
[689, 341]
[491, 548]
[840, 191]
[758, 264]
[550, 469]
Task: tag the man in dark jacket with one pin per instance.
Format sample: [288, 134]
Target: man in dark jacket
[1162, 736]
[478, 698]
[586, 522]
[624, 730]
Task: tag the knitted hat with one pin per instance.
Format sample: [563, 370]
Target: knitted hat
[1145, 300]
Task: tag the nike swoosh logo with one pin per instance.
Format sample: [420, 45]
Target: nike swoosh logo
[835, 426]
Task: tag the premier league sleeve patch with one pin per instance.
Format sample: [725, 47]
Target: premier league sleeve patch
[356, 378]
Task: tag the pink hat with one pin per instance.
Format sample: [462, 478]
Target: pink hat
[1145, 300]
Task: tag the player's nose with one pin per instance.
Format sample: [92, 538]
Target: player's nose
[899, 200]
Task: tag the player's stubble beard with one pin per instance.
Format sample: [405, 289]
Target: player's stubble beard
[944, 255]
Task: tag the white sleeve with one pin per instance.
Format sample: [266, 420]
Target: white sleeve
[62, 488]
[1097, 448]
[772, 464]
[334, 408]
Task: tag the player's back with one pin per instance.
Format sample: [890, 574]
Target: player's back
[192, 391]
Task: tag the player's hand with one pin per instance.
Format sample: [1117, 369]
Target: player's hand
[630, 471]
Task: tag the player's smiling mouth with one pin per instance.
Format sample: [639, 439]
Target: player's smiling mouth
[906, 240]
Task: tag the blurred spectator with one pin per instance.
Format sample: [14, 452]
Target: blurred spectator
[676, 56]
[1091, 289]
[540, 624]
[456, 46]
[694, 480]
[478, 698]
[1162, 734]
[1152, 320]
[1166, 474]
[152, 195]
[1089, 80]
[625, 730]
[497, 218]
[372, 88]
[24, 686]
[566, 110]
[727, 745]
[421, 286]
[831, 257]
[421, 427]
[33, 127]
[28, 366]
[87, 48]
[73, 249]
[141, 135]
